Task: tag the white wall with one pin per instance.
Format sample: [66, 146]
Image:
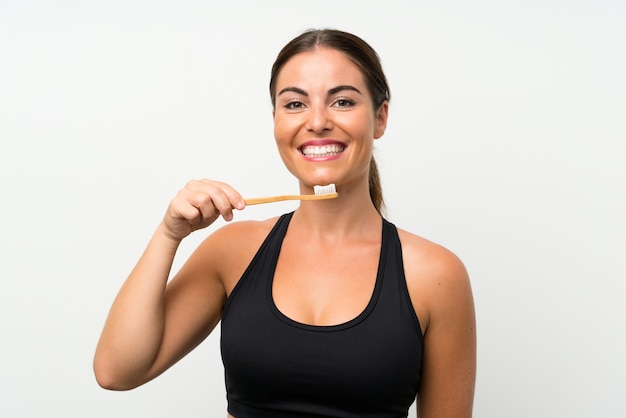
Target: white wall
[506, 143]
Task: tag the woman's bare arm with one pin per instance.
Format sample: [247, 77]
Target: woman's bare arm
[152, 324]
[441, 290]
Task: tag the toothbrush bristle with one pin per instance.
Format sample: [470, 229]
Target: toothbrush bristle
[328, 189]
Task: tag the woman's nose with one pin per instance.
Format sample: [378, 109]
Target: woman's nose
[319, 119]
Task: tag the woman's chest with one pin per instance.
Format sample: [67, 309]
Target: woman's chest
[325, 286]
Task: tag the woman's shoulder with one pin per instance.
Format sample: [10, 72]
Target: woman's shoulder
[229, 249]
[422, 254]
[250, 228]
[436, 277]
[235, 238]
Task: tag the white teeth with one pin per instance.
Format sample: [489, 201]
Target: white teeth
[322, 150]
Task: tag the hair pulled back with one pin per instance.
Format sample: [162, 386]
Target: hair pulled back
[368, 61]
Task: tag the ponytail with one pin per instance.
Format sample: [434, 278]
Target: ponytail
[376, 190]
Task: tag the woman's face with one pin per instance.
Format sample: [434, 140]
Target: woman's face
[324, 121]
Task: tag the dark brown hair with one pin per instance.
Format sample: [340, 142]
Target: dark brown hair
[364, 56]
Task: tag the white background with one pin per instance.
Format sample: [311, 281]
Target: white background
[506, 144]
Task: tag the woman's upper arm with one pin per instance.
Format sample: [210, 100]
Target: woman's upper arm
[195, 296]
[441, 291]
[192, 307]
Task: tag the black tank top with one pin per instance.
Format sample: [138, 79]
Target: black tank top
[368, 367]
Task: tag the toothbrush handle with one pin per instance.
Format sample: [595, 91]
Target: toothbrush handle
[270, 199]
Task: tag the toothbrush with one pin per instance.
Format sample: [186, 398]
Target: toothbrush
[320, 193]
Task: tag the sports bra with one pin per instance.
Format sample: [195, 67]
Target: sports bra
[368, 367]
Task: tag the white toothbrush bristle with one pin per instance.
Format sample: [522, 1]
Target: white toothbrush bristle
[328, 189]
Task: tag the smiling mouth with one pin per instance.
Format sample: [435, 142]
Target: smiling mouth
[322, 150]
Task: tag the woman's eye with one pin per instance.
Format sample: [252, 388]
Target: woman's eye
[294, 105]
[343, 102]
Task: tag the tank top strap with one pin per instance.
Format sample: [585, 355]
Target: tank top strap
[395, 289]
[264, 262]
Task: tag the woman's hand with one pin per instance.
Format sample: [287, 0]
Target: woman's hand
[198, 205]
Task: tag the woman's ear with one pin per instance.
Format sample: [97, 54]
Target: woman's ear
[381, 119]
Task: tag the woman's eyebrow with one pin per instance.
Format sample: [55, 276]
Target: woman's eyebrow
[337, 89]
[293, 89]
[332, 91]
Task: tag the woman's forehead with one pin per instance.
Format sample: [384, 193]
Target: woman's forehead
[318, 66]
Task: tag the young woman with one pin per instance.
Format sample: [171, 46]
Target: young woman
[328, 311]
